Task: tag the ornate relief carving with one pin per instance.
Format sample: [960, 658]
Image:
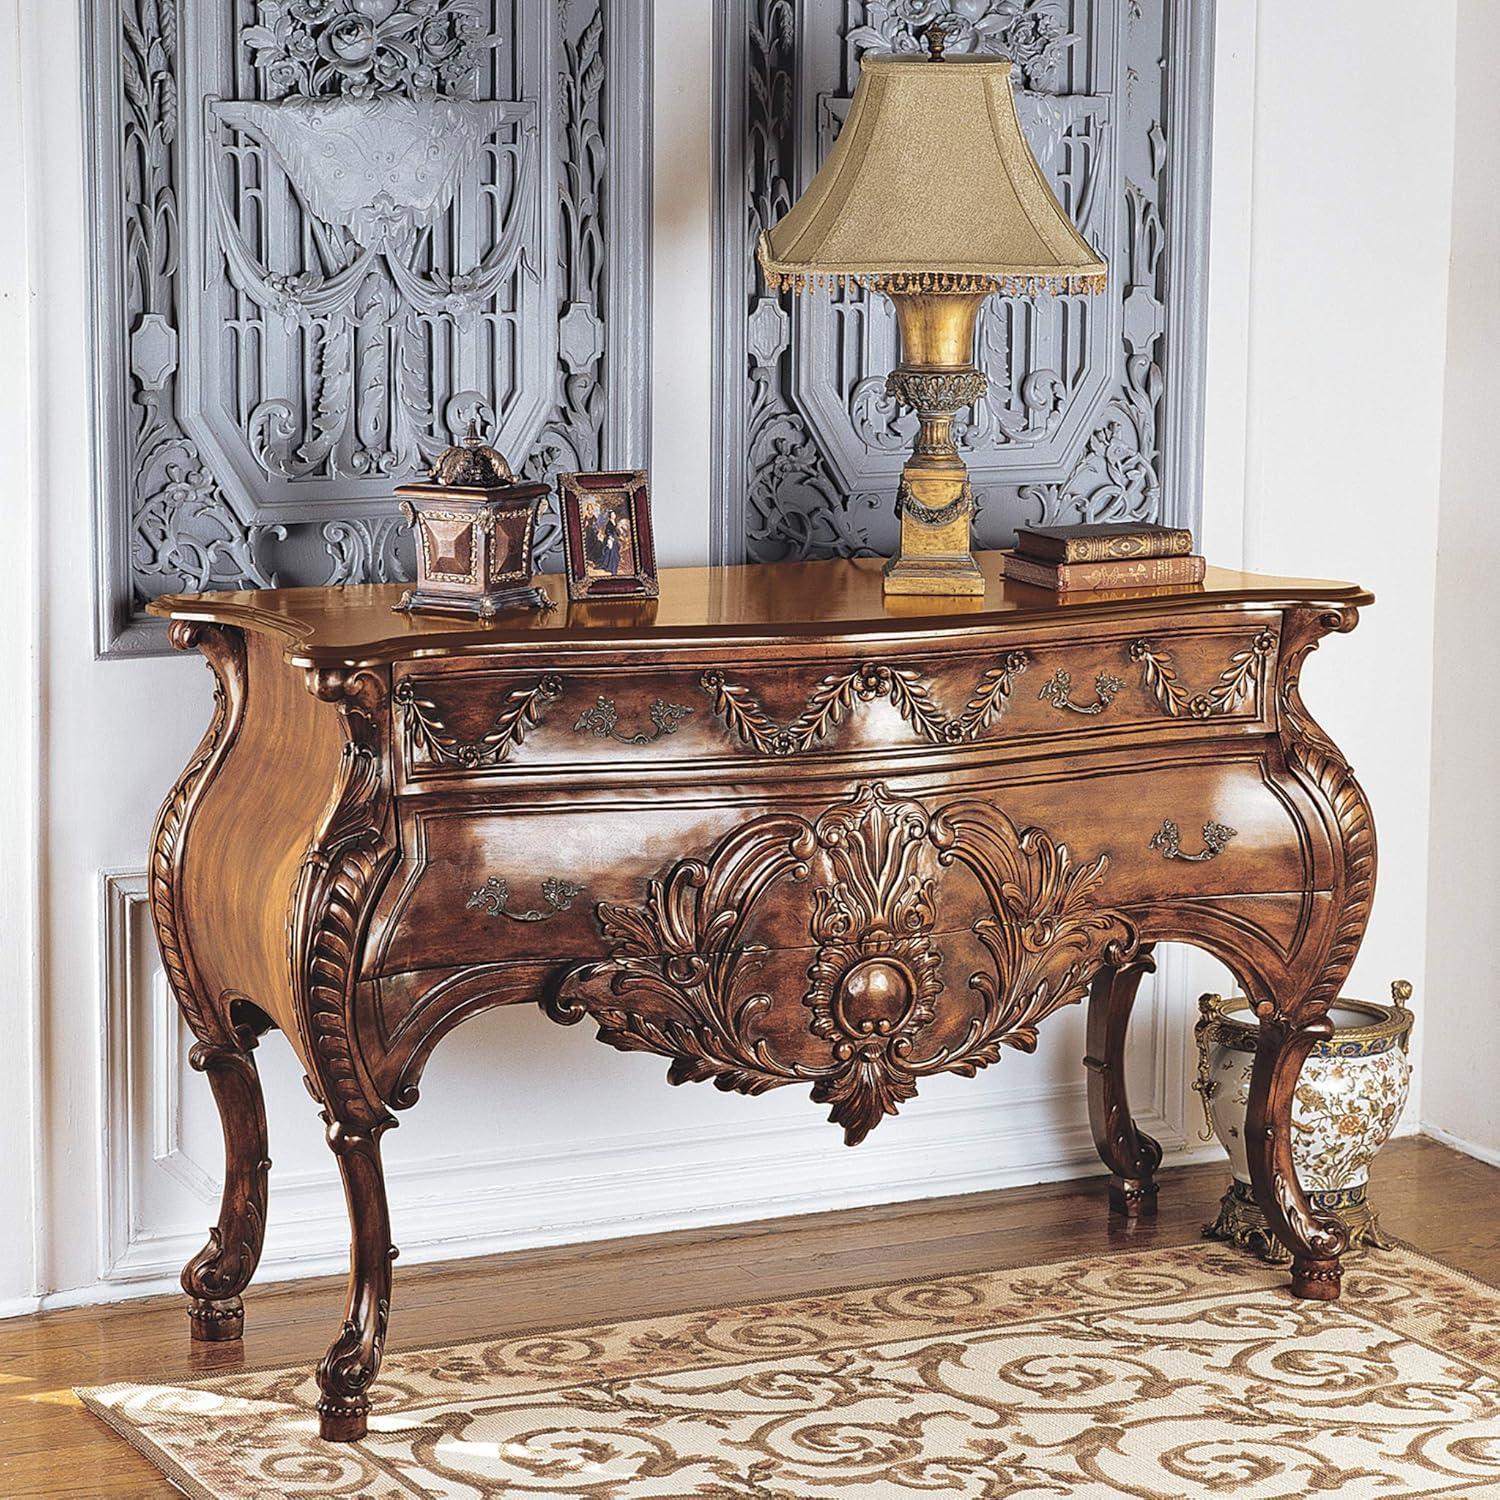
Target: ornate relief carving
[348, 858]
[429, 737]
[345, 322]
[1320, 760]
[1234, 684]
[835, 697]
[679, 982]
[1074, 425]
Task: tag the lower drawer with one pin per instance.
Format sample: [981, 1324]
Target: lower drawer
[573, 882]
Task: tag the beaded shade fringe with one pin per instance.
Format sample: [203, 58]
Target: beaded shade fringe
[896, 283]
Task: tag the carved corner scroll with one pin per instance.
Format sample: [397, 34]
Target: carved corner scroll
[681, 980]
[1322, 765]
[837, 695]
[346, 862]
[320, 227]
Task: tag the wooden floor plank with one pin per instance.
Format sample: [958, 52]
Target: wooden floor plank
[1444, 1203]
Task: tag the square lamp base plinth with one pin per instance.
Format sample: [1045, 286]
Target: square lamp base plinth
[957, 574]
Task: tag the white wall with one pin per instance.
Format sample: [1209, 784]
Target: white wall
[1324, 419]
[20, 751]
[1332, 197]
[1462, 1052]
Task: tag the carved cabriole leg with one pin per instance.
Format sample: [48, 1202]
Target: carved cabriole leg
[341, 877]
[219, 1273]
[1130, 1154]
[349, 1368]
[215, 1277]
[1315, 1240]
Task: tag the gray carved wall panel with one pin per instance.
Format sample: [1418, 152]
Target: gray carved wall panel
[1094, 407]
[330, 232]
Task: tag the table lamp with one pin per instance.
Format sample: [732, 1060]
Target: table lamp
[932, 197]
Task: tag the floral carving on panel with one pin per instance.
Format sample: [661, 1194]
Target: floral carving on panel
[366, 47]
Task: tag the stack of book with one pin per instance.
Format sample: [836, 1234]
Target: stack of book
[1120, 555]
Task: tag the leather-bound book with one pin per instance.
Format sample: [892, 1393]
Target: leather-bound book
[1104, 542]
[1079, 578]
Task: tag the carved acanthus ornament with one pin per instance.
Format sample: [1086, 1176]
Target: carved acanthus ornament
[681, 979]
[835, 697]
[352, 851]
[429, 736]
[1320, 760]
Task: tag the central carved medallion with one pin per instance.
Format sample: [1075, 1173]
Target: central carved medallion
[682, 979]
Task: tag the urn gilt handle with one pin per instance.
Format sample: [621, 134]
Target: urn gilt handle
[1216, 837]
[493, 899]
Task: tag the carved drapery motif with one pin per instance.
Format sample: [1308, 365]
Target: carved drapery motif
[836, 696]
[1241, 679]
[428, 736]
[680, 982]
[384, 193]
[1074, 423]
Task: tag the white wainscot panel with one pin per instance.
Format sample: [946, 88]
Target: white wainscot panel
[529, 1134]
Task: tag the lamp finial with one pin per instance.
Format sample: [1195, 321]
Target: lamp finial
[936, 37]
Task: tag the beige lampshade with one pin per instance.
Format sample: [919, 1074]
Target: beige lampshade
[931, 187]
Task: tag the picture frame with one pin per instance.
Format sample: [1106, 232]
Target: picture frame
[608, 545]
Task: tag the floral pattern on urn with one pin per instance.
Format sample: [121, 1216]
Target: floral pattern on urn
[1347, 1103]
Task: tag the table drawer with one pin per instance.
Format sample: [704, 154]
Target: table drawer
[475, 720]
[507, 884]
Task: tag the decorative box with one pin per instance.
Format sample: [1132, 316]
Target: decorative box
[475, 524]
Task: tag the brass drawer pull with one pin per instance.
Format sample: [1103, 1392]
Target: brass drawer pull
[1058, 689]
[1216, 837]
[493, 898]
[603, 722]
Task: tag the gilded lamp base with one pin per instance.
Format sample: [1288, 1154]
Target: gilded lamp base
[934, 556]
[1243, 1225]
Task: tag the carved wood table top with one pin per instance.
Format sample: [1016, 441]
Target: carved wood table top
[774, 827]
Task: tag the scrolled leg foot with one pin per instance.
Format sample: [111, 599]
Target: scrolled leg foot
[349, 1368]
[1131, 1155]
[1316, 1280]
[1132, 1198]
[219, 1322]
[214, 1278]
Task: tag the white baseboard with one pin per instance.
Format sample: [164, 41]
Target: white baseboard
[151, 1266]
[1489, 1157]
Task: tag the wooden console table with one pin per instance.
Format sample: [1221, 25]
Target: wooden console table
[775, 828]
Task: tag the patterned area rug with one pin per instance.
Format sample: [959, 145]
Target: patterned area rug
[1169, 1373]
